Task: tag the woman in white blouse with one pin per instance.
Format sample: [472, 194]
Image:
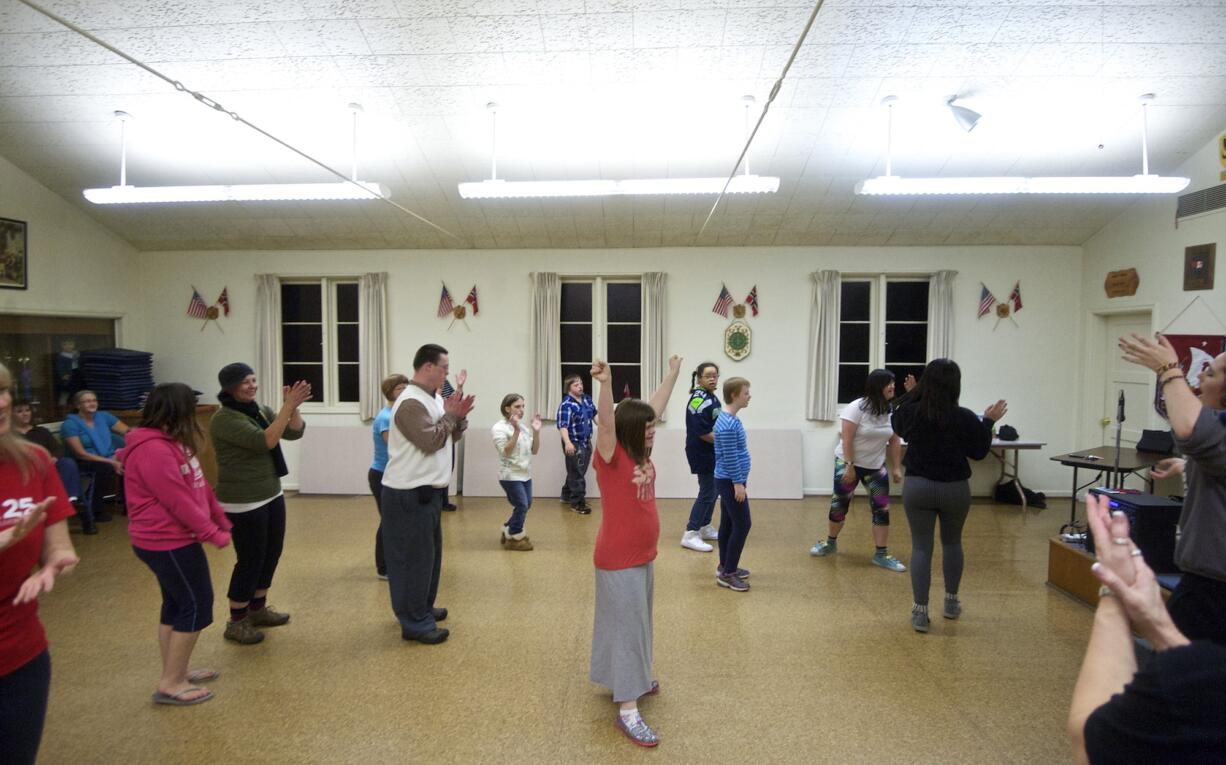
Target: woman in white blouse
[516, 443]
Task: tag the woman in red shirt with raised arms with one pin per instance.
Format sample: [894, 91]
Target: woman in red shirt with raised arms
[626, 546]
[33, 507]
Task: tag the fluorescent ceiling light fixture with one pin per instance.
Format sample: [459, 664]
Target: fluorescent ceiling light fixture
[893, 185]
[887, 185]
[496, 188]
[258, 192]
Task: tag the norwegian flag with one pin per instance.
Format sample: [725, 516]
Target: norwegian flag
[444, 303]
[472, 299]
[1015, 297]
[723, 303]
[223, 300]
[751, 300]
[986, 301]
[197, 309]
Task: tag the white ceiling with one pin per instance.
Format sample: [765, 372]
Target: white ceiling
[609, 89]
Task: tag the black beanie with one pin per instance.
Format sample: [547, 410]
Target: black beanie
[233, 374]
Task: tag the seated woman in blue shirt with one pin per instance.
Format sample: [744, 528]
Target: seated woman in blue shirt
[88, 436]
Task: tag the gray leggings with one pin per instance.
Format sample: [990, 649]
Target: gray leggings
[924, 501]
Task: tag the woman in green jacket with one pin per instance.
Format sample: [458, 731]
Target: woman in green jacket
[247, 440]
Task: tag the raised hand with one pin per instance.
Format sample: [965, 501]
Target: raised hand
[996, 411]
[514, 419]
[601, 372]
[25, 524]
[1112, 545]
[460, 379]
[536, 423]
[674, 364]
[1147, 353]
[1167, 468]
[297, 394]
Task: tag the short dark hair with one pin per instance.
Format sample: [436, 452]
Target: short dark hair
[388, 386]
[171, 408]
[874, 392]
[427, 354]
[507, 400]
[22, 402]
[699, 370]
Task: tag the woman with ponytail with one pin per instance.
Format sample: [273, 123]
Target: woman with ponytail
[701, 412]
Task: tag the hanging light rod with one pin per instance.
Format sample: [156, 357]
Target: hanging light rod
[495, 188]
[1145, 183]
[259, 192]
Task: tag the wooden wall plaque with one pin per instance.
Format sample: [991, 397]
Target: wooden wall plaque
[1122, 283]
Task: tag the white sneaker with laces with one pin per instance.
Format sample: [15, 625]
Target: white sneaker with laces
[709, 533]
[693, 541]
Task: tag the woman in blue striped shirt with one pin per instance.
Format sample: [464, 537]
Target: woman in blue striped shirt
[731, 475]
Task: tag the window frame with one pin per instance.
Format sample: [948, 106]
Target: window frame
[878, 284]
[330, 342]
[600, 322]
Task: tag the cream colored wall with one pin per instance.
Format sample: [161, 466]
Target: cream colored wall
[1146, 237]
[1032, 365]
[75, 265]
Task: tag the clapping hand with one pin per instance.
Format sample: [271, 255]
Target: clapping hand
[996, 411]
[459, 405]
[1147, 353]
[25, 524]
[297, 394]
[536, 423]
[460, 379]
[43, 580]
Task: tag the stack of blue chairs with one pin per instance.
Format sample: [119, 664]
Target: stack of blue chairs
[121, 378]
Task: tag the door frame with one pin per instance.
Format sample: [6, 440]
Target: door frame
[1094, 371]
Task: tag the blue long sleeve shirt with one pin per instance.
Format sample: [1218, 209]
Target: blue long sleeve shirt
[731, 450]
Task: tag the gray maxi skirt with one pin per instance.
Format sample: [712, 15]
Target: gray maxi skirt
[621, 635]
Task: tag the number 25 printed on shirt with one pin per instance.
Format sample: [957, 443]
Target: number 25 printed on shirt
[14, 509]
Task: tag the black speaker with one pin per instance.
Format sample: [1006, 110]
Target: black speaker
[1152, 522]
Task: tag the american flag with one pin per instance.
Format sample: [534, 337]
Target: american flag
[751, 300]
[1015, 297]
[444, 303]
[723, 303]
[197, 309]
[986, 301]
[223, 300]
[472, 299]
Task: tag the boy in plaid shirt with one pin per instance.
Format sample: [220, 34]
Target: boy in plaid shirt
[575, 421]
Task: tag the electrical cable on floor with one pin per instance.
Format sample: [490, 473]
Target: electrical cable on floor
[765, 108]
[205, 100]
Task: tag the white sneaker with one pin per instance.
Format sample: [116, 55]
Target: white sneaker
[693, 541]
[709, 533]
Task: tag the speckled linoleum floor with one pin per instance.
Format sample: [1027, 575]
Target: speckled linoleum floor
[817, 663]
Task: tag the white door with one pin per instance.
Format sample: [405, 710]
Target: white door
[1136, 382]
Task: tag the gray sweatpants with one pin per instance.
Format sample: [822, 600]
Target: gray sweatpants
[924, 502]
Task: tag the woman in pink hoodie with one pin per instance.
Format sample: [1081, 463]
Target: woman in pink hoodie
[171, 510]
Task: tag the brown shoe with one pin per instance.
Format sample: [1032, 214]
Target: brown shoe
[503, 537]
[520, 543]
[266, 617]
[243, 632]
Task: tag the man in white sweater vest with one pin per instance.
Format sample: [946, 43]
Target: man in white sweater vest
[415, 489]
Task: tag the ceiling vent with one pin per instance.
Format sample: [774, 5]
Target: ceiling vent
[1201, 202]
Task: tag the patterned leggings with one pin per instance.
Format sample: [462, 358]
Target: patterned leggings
[876, 483]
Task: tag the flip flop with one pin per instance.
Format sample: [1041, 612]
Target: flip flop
[176, 699]
[202, 675]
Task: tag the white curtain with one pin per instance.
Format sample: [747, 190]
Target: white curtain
[372, 343]
[546, 344]
[823, 391]
[268, 339]
[655, 330]
[941, 315]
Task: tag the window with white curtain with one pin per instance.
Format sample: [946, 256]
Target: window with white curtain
[602, 317]
[883, 322]
[319, 339]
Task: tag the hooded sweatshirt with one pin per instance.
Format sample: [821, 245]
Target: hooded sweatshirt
[170, 505]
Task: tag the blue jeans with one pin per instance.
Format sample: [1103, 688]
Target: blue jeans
[519, 494]
[704, 505]
[574, 491]
[70, 476]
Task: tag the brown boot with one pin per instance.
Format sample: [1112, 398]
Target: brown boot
[518, 542]
[266, 617]
[243, 632]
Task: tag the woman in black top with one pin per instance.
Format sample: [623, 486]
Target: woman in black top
[940, 437]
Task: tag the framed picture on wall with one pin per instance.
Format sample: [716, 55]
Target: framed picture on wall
[13, 254]
[1198, 267]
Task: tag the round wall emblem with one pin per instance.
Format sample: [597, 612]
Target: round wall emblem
[737, 340]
